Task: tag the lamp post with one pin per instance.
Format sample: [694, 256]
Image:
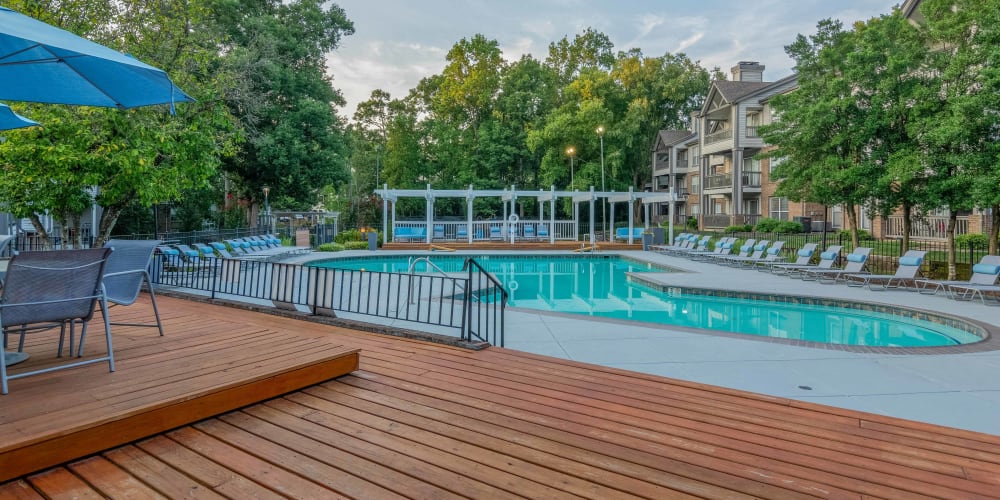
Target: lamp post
[571, 152]
[267, 208]
[604, 206]
[378, 161]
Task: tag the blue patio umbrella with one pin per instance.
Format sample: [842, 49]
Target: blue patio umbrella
[42, 63]
[11, 120]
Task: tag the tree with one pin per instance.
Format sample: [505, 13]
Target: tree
[142, 155]
[821, 132]
[957, 125]
[282, 96]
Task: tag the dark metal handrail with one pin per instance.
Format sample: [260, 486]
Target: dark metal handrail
[484, 299]
[473, 305]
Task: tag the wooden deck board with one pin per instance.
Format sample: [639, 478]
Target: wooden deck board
[424, 420]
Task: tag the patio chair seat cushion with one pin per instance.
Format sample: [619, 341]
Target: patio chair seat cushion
[806, 253]
[986, 269]
[760, 247]
[773, 251]
[828, 255]
[911, 261]
[746, 248]
[855, 257]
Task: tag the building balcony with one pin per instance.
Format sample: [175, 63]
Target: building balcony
[720, 136]
[721, 181]
[752, 131]
[716, 221]
[751, 179]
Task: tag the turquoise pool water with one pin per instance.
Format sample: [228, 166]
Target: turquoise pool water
[597, 285]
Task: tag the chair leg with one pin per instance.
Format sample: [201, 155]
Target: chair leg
[107, 334]
[83, 337]
[152, 298]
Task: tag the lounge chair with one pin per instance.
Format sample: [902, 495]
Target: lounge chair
[28, 307]
[970, 292]
[529, 231]
[679, 240]
[803, 256]
[695, 244]
[722, 247]
[543, 231]
[622, 233]
[438, 232]
[221, 250]
[735, 261]
[496, 233]
[826, 261]
[984, 273]
[745, 250]
[462, 233]
[771, 256]
[127, 267]
[906, 272]
[857, 262]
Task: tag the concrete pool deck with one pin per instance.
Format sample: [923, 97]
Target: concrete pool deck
[959, 390]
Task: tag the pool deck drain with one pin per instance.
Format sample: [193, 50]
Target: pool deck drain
[957, 387]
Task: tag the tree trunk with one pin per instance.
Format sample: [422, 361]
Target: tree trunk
[852, 223]
[994, 229]
[109, 217]
[907, 212]
[952, 222]
[40, 229]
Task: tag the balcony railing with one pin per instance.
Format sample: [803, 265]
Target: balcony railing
[715, 221]
[719, 181]
[752, 131]
[927, 228]
[722, 135]
[751, 179]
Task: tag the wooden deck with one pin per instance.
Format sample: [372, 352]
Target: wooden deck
[421, 420]
[203, 366]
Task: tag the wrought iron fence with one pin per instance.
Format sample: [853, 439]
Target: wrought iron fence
[473, 304]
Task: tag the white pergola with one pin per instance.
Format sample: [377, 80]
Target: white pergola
[511, 195]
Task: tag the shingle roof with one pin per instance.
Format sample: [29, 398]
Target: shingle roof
[732, 91]
[671, 137]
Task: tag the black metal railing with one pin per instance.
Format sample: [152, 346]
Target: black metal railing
[473, 305]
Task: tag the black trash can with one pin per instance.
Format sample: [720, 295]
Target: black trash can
[659, 235]
[647, 240]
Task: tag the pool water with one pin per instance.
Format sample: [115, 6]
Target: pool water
[598, 285]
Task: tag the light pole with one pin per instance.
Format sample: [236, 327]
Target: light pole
[378, 161]
[604, 206]
[571, 152]
[267, 208]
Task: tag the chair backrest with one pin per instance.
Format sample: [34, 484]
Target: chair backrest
[909, 264]
[857, 260]
[986, 271]
[747, 247]
[759, 249]
[529, 230]
[72, 285]
[126, 268]
[543, 230]
[805, 253]
[438, 231]
[774, 252]
[6, 241]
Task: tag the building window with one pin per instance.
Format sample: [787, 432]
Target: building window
[777, 208]
[695, 209]
[751, 206]
[773, 163]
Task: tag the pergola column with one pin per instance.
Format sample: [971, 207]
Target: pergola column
[385, 214]
[468, 214]
[593, 237]
[430, 214]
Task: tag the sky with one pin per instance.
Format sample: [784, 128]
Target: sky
[396, 43]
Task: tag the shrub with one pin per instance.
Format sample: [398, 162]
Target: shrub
[973, 240]
[767, 225]
[330, 247]
[349, 235]
[788, 227]
[356, 245]
[745, 228]
[692, 223]
[862, 234]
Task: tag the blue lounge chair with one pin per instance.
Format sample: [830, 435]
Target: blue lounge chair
[906, 271]
[622, 233]
[495, 233]
[438, 231]
[856, 264]
[826, 261]
[543, 231]
[984, 274]
[462, 233]
[802, 258]
[529, 231]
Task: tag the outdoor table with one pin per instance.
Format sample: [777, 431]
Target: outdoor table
[13, 358]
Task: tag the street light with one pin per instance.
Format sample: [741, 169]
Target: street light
[571, 152]
[604, 206]
[267, 208]
[378, 160]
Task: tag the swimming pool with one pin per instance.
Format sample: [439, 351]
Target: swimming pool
[599, 285]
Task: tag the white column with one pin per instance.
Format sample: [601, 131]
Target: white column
[576, 221]
[612, 233]
[468, 214]
[430, 214]
[670, 214]
[552, 216]
[593, 237]
[631, 213]
[385, 215]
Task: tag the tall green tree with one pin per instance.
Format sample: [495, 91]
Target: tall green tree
[821, 132]
[142, 155]
[283, 97]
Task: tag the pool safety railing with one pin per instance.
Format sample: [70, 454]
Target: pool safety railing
[471, 303]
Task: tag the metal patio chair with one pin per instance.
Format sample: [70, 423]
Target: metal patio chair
[124, 273]
[48, 290]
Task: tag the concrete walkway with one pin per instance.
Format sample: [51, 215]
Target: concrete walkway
[956, 390]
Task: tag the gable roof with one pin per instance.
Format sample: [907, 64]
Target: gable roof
[733, 91]
[669, 138]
